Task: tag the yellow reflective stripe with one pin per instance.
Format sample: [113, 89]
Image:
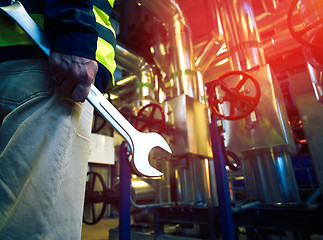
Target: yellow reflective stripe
[105, 52]
[111, 2]
[111, 84]
[105, 55]
[102, 18]
[12, 34]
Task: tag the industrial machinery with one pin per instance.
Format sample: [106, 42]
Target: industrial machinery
[235, 88]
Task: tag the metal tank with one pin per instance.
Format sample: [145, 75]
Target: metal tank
[264, 137]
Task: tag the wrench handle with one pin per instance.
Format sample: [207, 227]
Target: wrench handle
[112, 115]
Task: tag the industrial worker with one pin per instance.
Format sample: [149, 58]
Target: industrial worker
[45, 120]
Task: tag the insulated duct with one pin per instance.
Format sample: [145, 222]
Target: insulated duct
[138, 66]
[181, 68]
[240, 33]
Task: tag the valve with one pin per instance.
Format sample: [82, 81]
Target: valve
[241, 103]
[298, 36]
[151, 117]
[234, 162]
[94, 204]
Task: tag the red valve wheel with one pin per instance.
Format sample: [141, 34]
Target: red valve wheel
[151, 117]
[298, 35]
[238, 99]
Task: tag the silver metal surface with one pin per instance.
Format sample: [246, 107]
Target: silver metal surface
[139, 88]
[240, 33]
[17, 12]
[268, 127]
[317, 81]
[164, 10]
[145, 86]
[194, 180]
[269, 177]
[190, 120]
[140, 143]
[128, 60]
[208, 55]
[181, 71]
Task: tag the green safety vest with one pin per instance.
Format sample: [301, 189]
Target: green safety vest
[12, 34]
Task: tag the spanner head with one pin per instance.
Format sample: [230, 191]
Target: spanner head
[143, 144]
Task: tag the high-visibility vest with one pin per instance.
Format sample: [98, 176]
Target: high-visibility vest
[11, 34]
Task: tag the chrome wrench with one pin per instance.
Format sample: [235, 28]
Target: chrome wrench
[140, 143]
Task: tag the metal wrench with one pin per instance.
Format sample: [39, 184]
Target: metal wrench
[140, 143]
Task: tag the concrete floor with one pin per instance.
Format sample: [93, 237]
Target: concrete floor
[99, 231]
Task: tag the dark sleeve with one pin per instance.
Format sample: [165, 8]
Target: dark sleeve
[70, 27]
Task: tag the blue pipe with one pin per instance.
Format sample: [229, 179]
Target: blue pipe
[124, 208]
[225, 210]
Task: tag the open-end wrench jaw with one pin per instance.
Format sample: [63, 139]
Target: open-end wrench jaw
[147, 141]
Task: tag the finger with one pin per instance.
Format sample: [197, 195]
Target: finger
[80, 92]
[67, 86]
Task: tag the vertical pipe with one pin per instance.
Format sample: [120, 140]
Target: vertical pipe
[138, 65]
[225, 210]
[241, 34]
[182, 72]
[182, 67]
[124, 189]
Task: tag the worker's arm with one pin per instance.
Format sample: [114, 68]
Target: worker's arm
[69, 25]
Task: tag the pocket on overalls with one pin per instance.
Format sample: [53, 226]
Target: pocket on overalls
[21, 81]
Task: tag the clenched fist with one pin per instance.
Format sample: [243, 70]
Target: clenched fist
[74, 74]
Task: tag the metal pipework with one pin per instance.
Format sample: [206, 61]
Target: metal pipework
[267, 128]
[311, 13]
[164, 10]
[269, 5]
[128, 60]
[270, 177]
[240, 33]
[137, 65]
[208, 55]
[182, 73]
[182, 67]
[317, 82]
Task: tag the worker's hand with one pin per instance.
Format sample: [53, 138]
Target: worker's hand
[74, 74]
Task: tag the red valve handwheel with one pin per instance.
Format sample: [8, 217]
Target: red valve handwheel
[298, 35]
[238, 100]
[147, 118]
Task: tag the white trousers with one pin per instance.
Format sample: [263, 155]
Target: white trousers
[44, 142]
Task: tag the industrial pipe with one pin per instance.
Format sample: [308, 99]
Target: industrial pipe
[182, 73]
